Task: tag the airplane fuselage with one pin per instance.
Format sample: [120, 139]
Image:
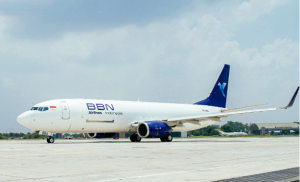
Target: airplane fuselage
[234, 134]
[88, 115]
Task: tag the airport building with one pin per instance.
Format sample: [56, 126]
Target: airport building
[274, 128]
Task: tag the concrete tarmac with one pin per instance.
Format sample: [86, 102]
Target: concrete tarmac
[202, 159]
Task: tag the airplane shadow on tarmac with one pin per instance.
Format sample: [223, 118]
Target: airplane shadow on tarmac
[145, 141]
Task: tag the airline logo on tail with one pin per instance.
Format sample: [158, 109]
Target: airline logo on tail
[222, 86]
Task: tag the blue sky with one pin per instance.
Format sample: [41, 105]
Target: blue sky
[160, 51]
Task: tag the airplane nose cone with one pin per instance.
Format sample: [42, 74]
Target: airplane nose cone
[24, 119]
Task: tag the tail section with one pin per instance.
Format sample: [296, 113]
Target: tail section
[220, 131]
[218, 95]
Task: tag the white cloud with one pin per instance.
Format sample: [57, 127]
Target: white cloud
[249, 11]
[156, 62]
[280, 53]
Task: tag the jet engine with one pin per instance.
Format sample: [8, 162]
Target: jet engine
[101, 135]
[153, 129]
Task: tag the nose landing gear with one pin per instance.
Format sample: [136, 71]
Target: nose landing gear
[50, 140]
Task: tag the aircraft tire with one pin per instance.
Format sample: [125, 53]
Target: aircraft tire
[133, 137]
[169, 138]
[48, 140]
[163, 139]
[51, 140]
[138, 138]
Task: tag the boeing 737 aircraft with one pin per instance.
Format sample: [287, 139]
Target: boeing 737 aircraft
[222, 133]
[104, 118]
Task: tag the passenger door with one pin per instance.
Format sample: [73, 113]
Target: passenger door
[65, 110]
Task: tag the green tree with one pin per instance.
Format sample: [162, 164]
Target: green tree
[77, 135]
[227, 128]
[196, 133]
[246, 127]
[253, 127]
[206, 131]
[32, 136]
[28, 136]
[209, 130]
[2, 137]
[238, 126]
[296, 131]
[214, 132]
[272, 132]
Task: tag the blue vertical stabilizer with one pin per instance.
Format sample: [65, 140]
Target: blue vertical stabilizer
[218, 95]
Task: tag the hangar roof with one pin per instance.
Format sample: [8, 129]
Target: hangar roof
[277, 125]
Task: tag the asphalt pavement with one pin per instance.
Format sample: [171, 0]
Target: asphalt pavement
[197, 159]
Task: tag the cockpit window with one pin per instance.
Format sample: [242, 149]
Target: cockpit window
[39, 108]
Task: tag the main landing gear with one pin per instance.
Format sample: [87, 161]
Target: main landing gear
[168, 138]
[50, 139]
[135, 138]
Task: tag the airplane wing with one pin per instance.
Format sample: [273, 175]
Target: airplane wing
[178, 122]
[239, 108]
[218, 116]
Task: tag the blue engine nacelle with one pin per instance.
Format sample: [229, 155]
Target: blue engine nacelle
[101, 135]
[153, 129]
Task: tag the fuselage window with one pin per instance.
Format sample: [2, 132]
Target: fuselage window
[34, 108]
[40, 109]
[45, 109]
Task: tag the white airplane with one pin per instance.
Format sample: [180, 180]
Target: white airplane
[222, 133]
[104, 118]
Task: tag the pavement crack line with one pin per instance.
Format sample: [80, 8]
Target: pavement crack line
[195, 170]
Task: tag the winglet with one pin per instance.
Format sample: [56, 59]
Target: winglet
[292, 100]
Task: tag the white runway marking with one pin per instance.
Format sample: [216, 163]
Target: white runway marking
[178, 172]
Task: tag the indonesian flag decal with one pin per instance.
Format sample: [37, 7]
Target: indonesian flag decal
[52, 107]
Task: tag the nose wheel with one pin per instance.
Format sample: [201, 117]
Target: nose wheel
[50, 140]
[135, 138]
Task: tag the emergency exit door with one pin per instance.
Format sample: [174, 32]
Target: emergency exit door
[65, 110]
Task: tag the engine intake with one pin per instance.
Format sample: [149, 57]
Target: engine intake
[101, 135]
[153, 129]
